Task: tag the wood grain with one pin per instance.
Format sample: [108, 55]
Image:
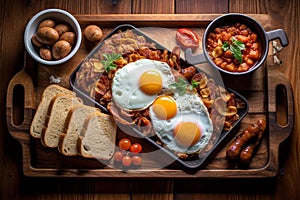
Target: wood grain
[39, 161]
[14, 14]
[152, 7]
[201, 6]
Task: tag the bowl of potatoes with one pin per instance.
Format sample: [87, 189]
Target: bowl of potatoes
[52, 36]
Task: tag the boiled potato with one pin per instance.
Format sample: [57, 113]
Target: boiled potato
[53, 40]
[35, 41]
[47, 23]
[69, 37]
[61, 49]
[45, 53]
[62, 28]
[93, 33]
[47, 35]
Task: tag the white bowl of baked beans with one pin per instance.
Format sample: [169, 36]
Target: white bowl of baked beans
[236, 44]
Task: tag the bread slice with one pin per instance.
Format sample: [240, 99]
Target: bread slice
[39, 119]
[75, 121]
[99, 137]
[59, 107]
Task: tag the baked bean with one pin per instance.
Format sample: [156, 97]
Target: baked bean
[244, 32]
[234, 48]
[253, 54]
[228, 54]
[254, 46]
[241, 38]
[218, 61]
[242, 26]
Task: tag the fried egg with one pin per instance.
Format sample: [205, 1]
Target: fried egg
[181, 122]
[137, 84]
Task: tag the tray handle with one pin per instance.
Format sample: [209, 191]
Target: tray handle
[20, 104]
[281, 109]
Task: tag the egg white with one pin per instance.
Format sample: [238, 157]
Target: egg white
[190, 108]
[126, 92]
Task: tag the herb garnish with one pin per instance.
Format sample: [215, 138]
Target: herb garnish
[179, 86]
[194, 84]
[109, 62]
[235, 47]
[182, 85]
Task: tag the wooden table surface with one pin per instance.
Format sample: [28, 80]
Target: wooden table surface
[14, 185]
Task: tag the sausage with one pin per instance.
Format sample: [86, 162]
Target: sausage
[234, 149]
[247, 153]
[188, 72]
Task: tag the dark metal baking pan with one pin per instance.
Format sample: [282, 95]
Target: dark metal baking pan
[191, 163]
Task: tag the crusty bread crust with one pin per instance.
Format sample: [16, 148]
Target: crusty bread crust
[40, 116]
[74, 124]
[98, 137]
[61, 120]
[60, 106]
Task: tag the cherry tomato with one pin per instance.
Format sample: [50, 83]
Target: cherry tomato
[118, 156]
[135, 148]
[187, 38]
[136, 160]
[125, 144]
[126, 161]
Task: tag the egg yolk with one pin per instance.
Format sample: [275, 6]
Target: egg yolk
[150, 82]
[187, 134]
[164, 107]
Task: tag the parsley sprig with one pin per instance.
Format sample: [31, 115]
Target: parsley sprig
[181, 86]
[235, 47]
[108, 63]
[194, 84]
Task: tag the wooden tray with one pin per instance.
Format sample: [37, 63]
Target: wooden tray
[268, 92]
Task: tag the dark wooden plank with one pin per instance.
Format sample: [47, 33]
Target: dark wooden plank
[225, 189]
[152, 189]
[152, 7]
[12, 20]
[75, 189]
[82, 7]
[201, 6]
[244, 7]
